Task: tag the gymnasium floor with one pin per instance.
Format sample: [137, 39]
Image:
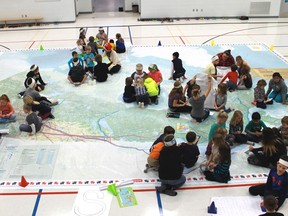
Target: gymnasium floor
[66, 153]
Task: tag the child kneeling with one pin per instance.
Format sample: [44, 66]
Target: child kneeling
[34, 122]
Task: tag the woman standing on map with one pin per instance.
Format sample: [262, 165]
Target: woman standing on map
[177, 101]
[277, 84]
[225, 59]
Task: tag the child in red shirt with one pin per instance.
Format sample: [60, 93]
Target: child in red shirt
[6, 110]
[233, 78]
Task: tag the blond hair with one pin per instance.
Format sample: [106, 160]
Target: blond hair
[139, 82]
[28, 100]
[222, 114]
[235, 116]
[88, 48]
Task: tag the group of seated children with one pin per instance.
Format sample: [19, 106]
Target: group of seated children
[82, 63]
[142, 87]
[34, 102]
[172, 160]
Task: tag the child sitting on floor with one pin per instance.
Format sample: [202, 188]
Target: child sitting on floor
[44, 111]
[7, 113]
[276, 184]
[221, 98]
[236, 128]
[199, 113]
[191, 151]
[129, 91]
[217, 140]
[254, 128]
[270, 203]
[155, 74]
[75, 55]
[34, 122]
[93, 45]
[142, 97]
[278, 85]
[120, 45]
[189, 86]
[80, 48]
[167, 130]
[152, 89]
[220, 122]
[283, 129]
[89, 60]
[245, 82]
[153, 159]
[259, 95]
[220, 172]
[111, 41]
[233, 78]
[100, 69]
[270, 152]
[177, 70]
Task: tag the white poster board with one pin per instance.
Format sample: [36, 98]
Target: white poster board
[238, 205]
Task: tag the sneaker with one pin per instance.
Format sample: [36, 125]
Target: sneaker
[51, 116]
[54, 103]
[139, 104]
[170, 78]
[170, 192]
[20, 96]
[142, 105]
[156, 101]
[161, 189]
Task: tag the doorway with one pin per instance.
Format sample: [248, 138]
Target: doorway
[107, 5]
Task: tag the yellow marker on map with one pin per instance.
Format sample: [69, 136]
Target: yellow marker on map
[271, 47]
[212, 43]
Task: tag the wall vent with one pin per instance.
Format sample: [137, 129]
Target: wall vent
[260, 8]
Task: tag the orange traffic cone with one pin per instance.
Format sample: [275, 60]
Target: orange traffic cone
[23, 182]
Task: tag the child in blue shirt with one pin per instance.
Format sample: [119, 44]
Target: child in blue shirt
[89, 60]
[277, 182]
[75, 55]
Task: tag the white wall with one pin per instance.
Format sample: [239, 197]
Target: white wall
[203, 8]
[128, 4]
[50, 10]
[84, 6]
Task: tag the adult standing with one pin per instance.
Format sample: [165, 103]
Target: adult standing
[277, 84]
[114, 66]
[226, 59]
[177, 100]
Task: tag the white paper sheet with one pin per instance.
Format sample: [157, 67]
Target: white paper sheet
[237, 206]
[90, 201]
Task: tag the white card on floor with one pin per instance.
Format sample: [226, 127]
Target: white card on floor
[237, 205]
[4, 131]
[91, 201]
